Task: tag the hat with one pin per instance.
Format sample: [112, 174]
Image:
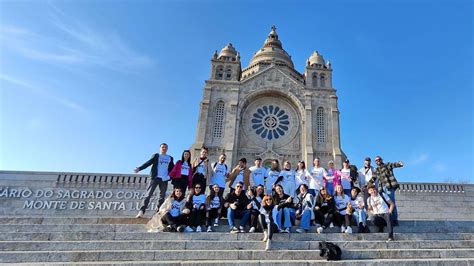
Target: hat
[367, 159]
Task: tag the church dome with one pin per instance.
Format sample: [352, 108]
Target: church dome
[272, 51]
[316, 59]
[228, 51]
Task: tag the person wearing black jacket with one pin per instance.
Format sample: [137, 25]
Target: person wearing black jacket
[324, 210]
[238, 207]
[285, 207]
[161, 166]
[255, 196]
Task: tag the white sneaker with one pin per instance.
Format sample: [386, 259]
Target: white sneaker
[216, 222]
[188, 229]
[300, 230]
[234, 229]
[252, 229]
[319, 230]
[331, 225]
[198, 229]
[287, 230]
[209, 229]
[348, 230]
[343, 229]
[241, 229]
[140, 214]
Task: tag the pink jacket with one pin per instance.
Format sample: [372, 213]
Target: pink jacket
[176, 173]
[336, 180]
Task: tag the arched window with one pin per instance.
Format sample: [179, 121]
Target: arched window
[314, 80]
[218, 120]
[322, 80]
[321, 125]
[228, 74]
[219, 72]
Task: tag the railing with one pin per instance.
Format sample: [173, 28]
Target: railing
[431, 187]
[102, 178]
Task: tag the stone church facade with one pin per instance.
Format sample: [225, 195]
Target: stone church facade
[269, 109]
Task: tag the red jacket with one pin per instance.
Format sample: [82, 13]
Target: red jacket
[176, 173]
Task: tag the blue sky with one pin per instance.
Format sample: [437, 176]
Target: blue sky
[96, 86]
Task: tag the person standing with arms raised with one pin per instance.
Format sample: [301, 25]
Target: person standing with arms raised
[161, 165]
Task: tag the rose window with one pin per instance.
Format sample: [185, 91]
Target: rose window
[270, 122]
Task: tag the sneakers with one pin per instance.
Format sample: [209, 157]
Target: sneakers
[188, 229]
[268, 246]
[300, 230]
[331, 225]
[181, 228]
[234, 230]
[348, 230]
[319, 230]
[252, 229]
[209, 229]
[140, 214]
[287, 230]
[390, 239]
[343, 229]
[168, 228]
[241, 229]
[198, 229]
[216, 222]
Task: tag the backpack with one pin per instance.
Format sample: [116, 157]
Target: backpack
[215, 164]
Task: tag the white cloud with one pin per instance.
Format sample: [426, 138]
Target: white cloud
[76, 44]
[43, 92]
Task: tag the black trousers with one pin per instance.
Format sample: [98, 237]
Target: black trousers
[211, 215]
[324, 216]
[197, 217]
[182, 182]
[272, 228]
[167, 219]
[254, 218]
[152, 184]
[382, 220]
[340, 219]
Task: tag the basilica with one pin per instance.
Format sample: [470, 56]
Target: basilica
[269, 109]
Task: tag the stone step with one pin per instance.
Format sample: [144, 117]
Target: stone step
[219, 255]
[39, 228]
[224, 245]
[393, 262]
[84, 236]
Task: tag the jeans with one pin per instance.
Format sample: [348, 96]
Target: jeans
[330, 188]
[391, 194]
[360, 216]
[305, 219]
[152, 184]
[285, 212]
[232, 214]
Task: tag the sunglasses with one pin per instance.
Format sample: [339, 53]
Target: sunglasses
[198, 187]
[268, 200]
[238, 186]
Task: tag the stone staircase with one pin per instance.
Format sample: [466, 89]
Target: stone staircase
[59, 240]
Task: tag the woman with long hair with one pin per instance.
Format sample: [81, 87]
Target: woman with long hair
[182, 173]
[214, 204]
[265, 220]
[324, 210]
[304, 209]
[197, 205]
[285, 208]
[342, 217]
[255, 196]
[332, 178]
[172, 215]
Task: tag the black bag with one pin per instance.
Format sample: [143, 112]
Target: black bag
[330, 250]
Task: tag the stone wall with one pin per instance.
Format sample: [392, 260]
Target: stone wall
[50, 194]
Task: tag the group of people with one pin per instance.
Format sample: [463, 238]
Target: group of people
[269, 200]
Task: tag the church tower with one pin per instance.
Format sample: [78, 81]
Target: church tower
[269, 109]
